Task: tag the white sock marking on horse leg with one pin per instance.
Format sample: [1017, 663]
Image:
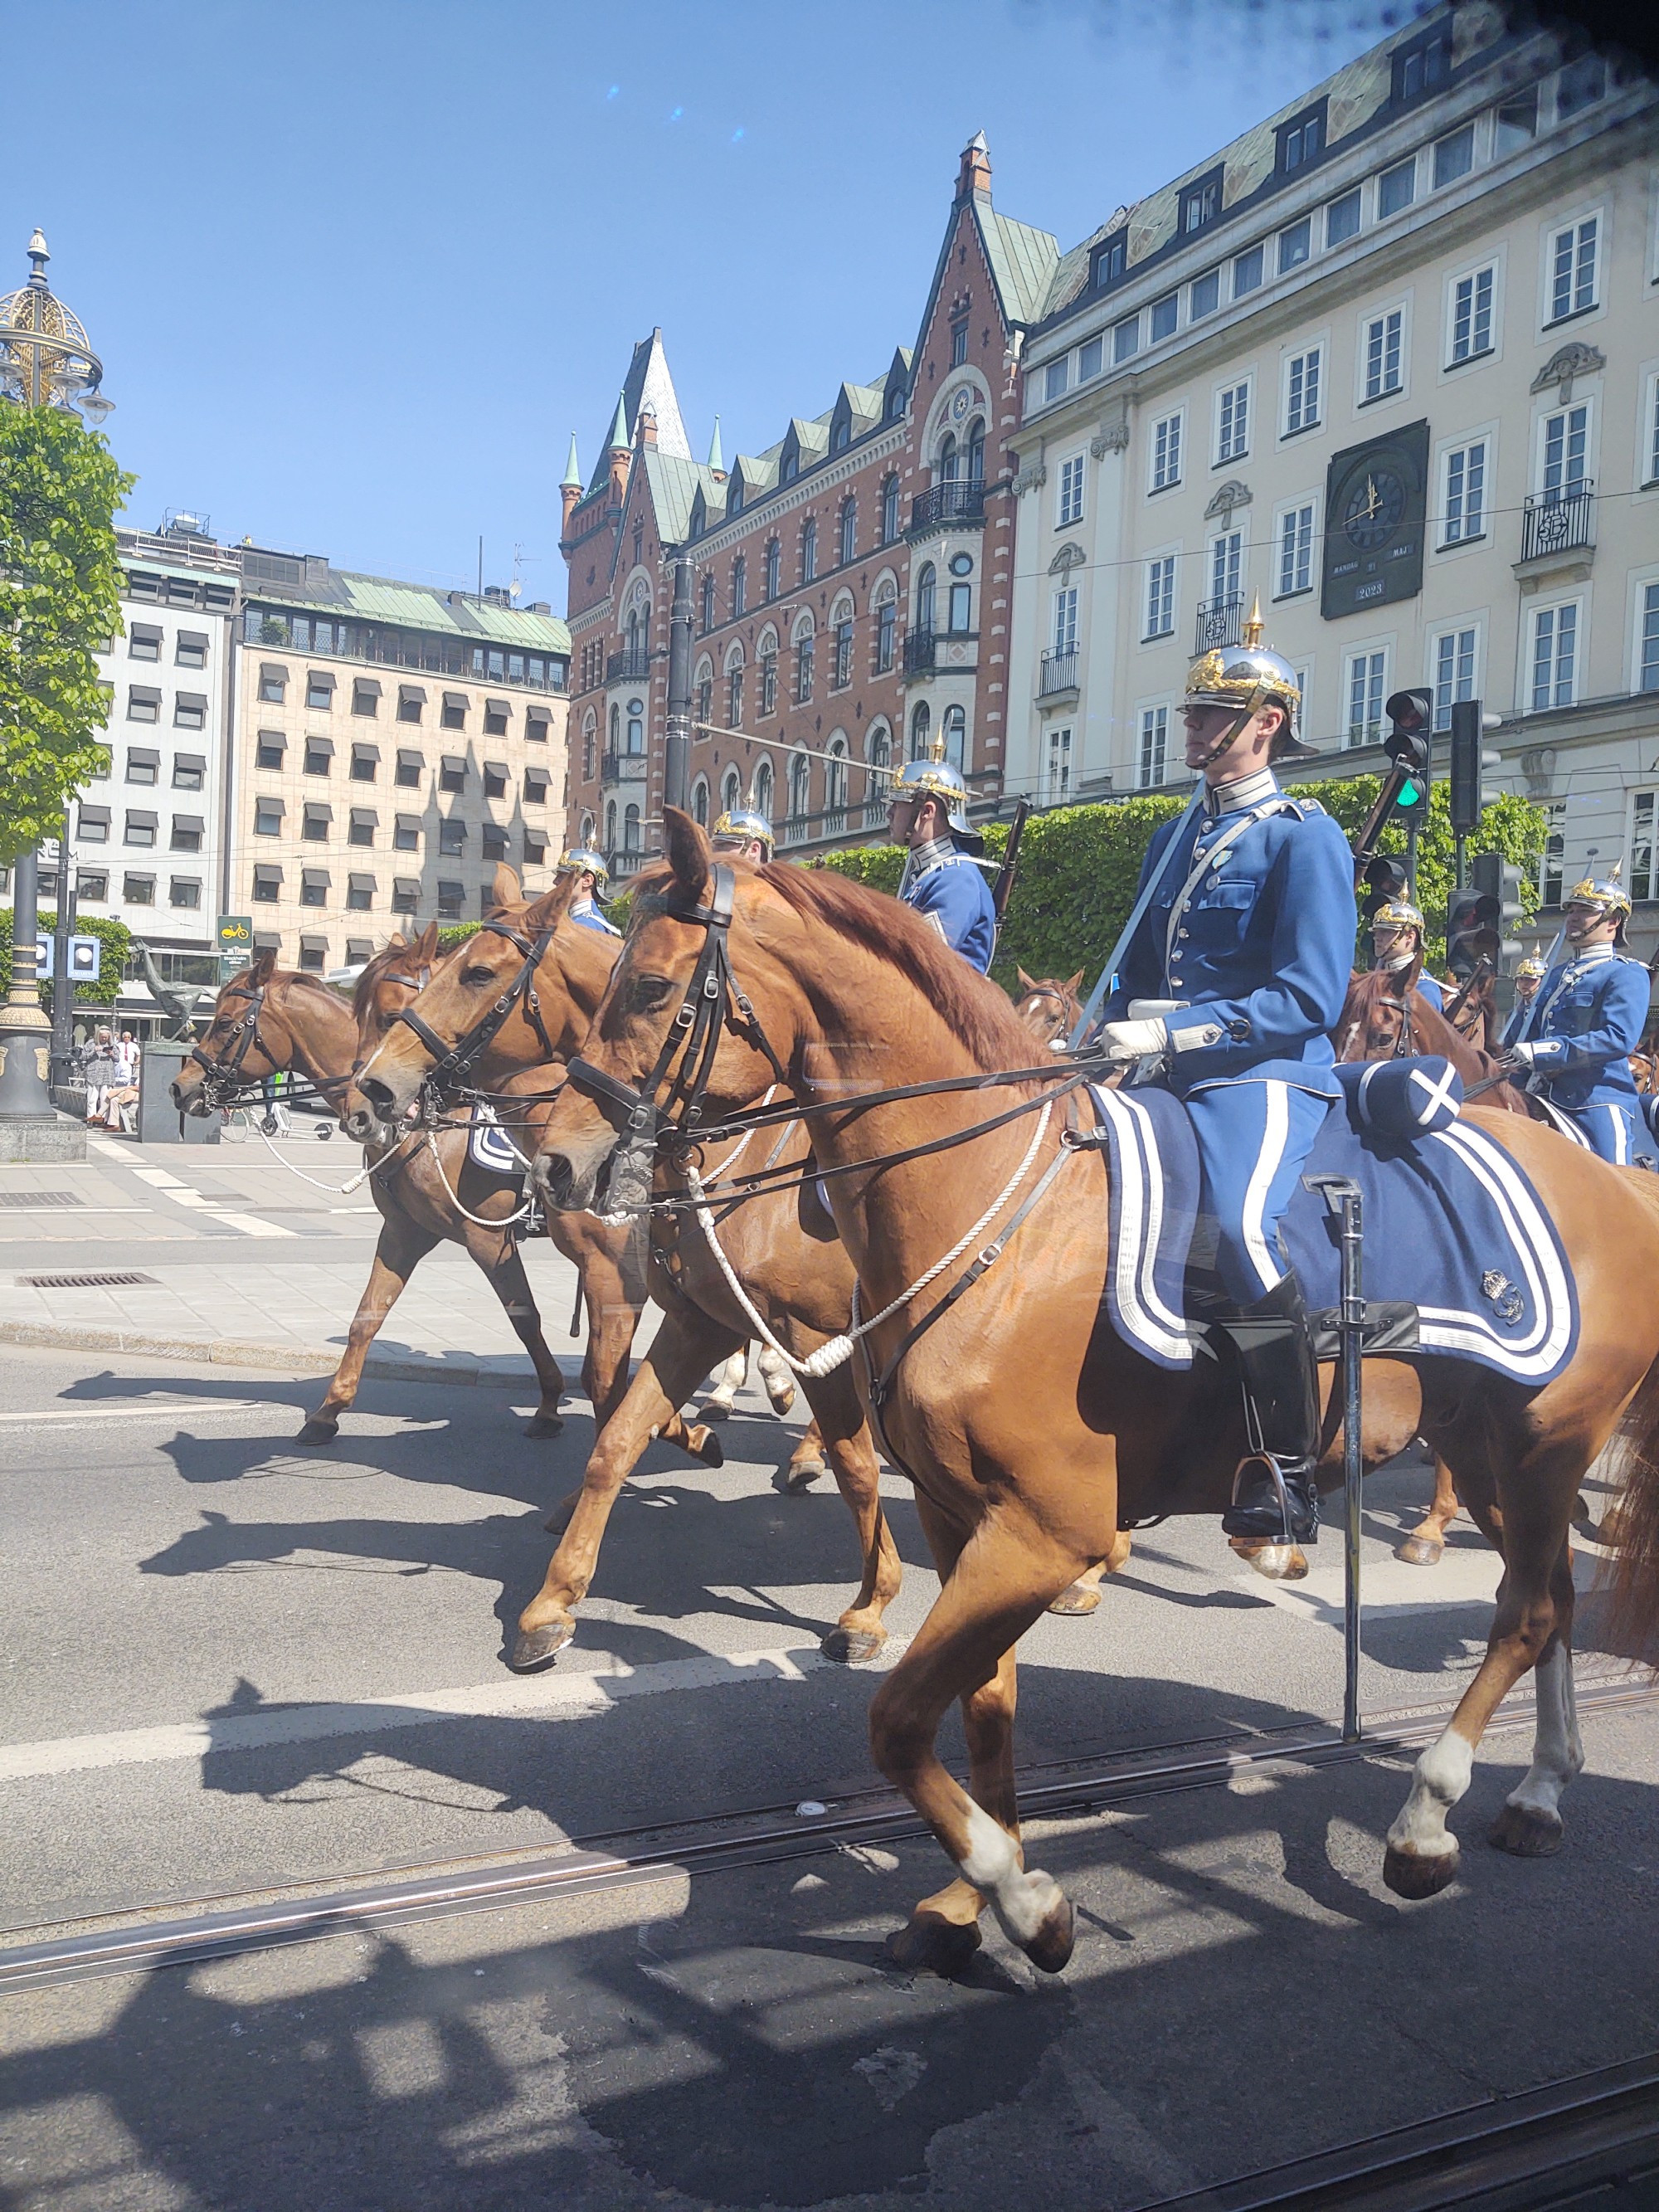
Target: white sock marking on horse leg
[1439, 1779]
[729, 1380]
[1023, 1898]
[1556, 1753]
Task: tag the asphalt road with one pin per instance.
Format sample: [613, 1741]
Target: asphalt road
[232, 1665]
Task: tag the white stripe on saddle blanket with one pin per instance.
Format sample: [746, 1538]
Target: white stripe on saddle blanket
[490, 1146]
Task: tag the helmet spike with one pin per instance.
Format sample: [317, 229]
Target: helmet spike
[1252, 637]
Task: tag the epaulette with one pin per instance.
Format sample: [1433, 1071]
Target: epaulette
[1304, 807]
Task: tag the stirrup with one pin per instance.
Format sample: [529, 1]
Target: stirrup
[1242, 1519]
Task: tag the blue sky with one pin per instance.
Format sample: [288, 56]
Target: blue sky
[356, 268]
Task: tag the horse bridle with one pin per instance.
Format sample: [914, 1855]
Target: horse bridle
[450, 1062]
[222, 1077]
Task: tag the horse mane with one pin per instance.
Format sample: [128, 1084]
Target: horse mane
[378, 964]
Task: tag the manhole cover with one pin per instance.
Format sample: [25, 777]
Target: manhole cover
[84, 1282]
[41, 1197]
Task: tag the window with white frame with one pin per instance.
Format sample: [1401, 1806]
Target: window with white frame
[1647, 639]
[1365, 687]
[1232, 421]
[1385, 354]
[1552, 861]
[1069, 506]
[1166, 451]
[1153, 758]
[1573, 254]
[1463, 493]
[1065, 630]
[1054, 376]
[1302, 382]
[1471, 315]
[1554, 678]
[1160, 596]
[1641, 882]
[1453, 662]
[1227, 568]
[1296, 538]
[1057, 767]
[1564, 452]
[1650, 436]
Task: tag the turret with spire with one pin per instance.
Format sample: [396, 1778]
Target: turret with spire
[716, 457]
[619, 446]
[570, 484]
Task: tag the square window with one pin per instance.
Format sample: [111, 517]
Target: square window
[1454, 156]
[267, 886]
[267, 818]
[362, 831]
[314, 887]
[138, 890]
[189, 770]
[1126, 338]
[143, 767]
[411, 702]
[451, 773]
[1342, 218]
[365, 697]
[365, 764]
[536, 781]
[140, 829]
[144, 706]
[189, 712]
[360, 951]
[408, 770]
[184, 891]
[453, 715]
[495, 718]
[406, 837]
[452, 897]
[492, 840]
[319, 692]
[535, 849]
[405, 895]
[452, 836]
[268, 748]
[273, 683]
[1090, 360]
[144, 643]
[1396, 188]
[314, 823]
[190, 649]
[1163, 313]
[186, 834]
[92, 828]
[1248, 271]
[314, 957]
[360, 894]
[319, 756]
[91, 885]
[494, 780]
[1295, 245]
[1206, 296]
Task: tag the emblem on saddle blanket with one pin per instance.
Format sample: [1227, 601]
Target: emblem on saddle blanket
[1440, 1207]
[491, 1147]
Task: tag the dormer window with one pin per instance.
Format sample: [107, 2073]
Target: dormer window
[1200, 204]
[790, 469]
[1110, 261]
[841, 436]
[894, 403]
[1301, 142]
[1422, 67]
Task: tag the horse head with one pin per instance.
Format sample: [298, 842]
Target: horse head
[232, 1034]
[1050, 1009]
[391, 981]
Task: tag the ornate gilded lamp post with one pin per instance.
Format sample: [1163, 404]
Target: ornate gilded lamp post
[46, 360]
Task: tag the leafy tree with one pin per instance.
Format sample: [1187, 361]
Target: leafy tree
[59, 587]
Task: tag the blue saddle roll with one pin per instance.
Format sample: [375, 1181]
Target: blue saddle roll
[1402, 1098]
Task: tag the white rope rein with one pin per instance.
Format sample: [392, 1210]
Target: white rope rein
[829, 1356]
[479, 1220]
[335, 1189]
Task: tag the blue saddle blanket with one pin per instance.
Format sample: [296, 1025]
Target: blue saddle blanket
[1452, 1225]
[491, 1147]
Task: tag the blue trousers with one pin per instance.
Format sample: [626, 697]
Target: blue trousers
[1612, 1133]
[1254, 1140]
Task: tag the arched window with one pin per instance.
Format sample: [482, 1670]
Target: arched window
[790, 468]
[616, 729]
[809, 550]
[707, 605]
[841, 436]
[589, 742]
[956, 737]
[638, 628]
[773, 567]
[921, 724]
[739, 585]
[631, 831]
[700, 802]
[734, 688]
[587, 836]
[610, 827]
[849, 530]
[703, 695]
[843, 646]
[769, 674]
[763, 789]
[805, 652]
[976, 451]
[948, 459]
[895, 406]
[636, 726]
[886, 625]
[889, 511]
[800, 799]
[731, 792]
[835, 787]
[926, 586]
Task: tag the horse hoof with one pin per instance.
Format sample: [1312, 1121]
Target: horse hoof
[781, 1400]
[852, 1646]
[1525, 1832]
[1277, 1562]
[715, 1411]
[1419, 1552]
[545, 1424]
[560, 1518]
[800, 1475]
[1080, 1598]
[930, 1944]
[537, 1648]
[317, 1431]
[1408, 1874]
[707, 1446]
[1051, 1947]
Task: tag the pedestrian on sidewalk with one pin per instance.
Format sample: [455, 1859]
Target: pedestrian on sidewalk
[277, 1121]
[126, 1058]
[100, 1072]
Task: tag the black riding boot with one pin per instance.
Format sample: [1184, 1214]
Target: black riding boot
[1274, 1492]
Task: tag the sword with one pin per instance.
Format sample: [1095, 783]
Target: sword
[1085, 1020]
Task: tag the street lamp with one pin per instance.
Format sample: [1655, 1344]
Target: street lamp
[46, 360]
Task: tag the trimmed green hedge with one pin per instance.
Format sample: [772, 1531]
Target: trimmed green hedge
[114, 936]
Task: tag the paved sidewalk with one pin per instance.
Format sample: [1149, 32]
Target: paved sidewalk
[243, 1253]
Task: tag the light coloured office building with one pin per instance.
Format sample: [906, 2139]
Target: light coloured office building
[392, 743]
[1389, 360]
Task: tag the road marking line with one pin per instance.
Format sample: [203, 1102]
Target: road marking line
[535, 1696]
[251, 1225]
[152, 1407]
[160, 1178]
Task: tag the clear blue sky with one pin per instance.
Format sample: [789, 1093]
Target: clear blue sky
[355, 267]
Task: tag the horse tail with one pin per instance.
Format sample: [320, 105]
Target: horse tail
[1633, 1527]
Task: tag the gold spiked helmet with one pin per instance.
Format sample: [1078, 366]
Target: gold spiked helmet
[1246, 678]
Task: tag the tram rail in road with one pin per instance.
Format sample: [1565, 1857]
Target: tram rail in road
[112, 1945]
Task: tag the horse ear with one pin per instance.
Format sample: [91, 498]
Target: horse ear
[550, 908]
[689, 855]
[425, 946]
[1027, 983]
[396, 938]
[263, 966]
[506, 890]
[1075, 982]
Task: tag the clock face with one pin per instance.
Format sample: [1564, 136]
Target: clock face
[1376, 508]
[1375, 520]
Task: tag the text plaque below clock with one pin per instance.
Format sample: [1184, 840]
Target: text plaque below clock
[1375, 514]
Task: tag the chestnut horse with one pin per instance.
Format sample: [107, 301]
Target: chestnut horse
[1027, 1426]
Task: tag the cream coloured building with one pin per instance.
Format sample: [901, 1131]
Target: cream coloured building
[392, 744]
[1389, 360]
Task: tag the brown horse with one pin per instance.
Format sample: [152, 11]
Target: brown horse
[1027, 1426]
[1050, 1009]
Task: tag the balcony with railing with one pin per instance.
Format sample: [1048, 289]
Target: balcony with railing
[943, 505]
[1220, 623]
[1059, 673]
[1559, 522]
[631, 666]
[623, 768]
[920, 648]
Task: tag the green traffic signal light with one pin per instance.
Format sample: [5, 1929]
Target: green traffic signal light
[1413, 791]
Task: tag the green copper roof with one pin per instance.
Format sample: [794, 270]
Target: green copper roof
[1022, 261]
[379, 598]
[572, 470]
[619, 439]
[716, 459]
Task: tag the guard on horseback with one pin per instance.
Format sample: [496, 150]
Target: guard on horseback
[1586, 1021]
[1232, 981]
[941, 881]
[593, 884]
[744, 832]
[1529, 974]
[1397, 948]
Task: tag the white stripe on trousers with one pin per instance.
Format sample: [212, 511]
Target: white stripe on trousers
[1273, 1140]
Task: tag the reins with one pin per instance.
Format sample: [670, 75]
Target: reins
[458, 1059]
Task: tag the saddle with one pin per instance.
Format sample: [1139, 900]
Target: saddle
[1460, 1258]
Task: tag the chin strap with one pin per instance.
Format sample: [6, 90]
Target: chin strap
[1253, 706]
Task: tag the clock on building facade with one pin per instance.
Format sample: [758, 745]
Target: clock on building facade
[1375, 515]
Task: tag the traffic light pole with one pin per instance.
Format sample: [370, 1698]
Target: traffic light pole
[1461, 862]
[1411, 859]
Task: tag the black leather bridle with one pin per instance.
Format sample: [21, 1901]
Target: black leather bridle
[452, 1063]
[222, 1077]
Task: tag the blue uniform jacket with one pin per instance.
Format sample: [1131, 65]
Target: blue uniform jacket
[1586, 1021]
[954, 896]
[587, 916]
[1262, 941]
[1431, 987]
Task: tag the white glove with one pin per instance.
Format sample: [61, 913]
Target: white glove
[1122, 1041]
[1521, 1055]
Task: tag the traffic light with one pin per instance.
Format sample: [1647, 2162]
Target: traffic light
[1499, 881]
[1385, 880]
[1471, 933]
[1469, 759]
[1411, 716]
